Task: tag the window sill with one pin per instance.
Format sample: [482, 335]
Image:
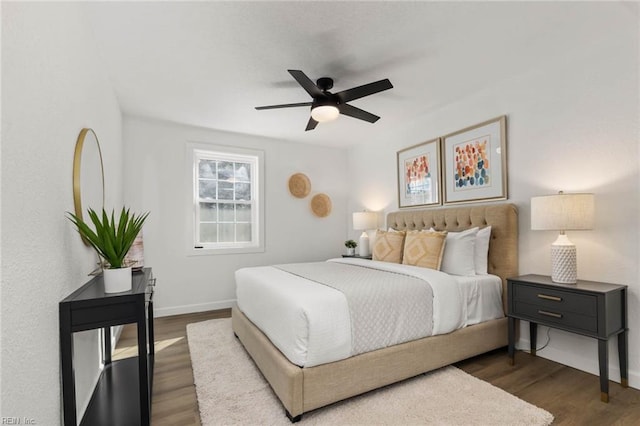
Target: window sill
[218, 251]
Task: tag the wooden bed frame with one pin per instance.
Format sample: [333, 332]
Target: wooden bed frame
[304, 389]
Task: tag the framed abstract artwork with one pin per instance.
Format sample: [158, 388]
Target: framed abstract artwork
[475, 163]
[419, 175]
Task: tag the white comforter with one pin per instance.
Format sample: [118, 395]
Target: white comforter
[310, 322]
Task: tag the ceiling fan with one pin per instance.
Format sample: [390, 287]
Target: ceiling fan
[326, 106]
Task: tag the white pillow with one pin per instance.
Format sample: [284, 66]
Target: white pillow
[459, 253]
[482, 250]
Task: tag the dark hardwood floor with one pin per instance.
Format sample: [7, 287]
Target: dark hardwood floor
[174, 394]
[572, 396]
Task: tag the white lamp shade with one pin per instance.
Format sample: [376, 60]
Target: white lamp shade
[324, 113]
[562, 212]
[365, 220]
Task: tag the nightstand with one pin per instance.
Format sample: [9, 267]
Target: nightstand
[357, 256]
[593, 309]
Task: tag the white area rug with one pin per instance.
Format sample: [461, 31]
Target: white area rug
[231, 390]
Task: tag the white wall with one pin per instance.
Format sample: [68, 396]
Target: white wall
[572, 125]
[53, 85]
[156, 181]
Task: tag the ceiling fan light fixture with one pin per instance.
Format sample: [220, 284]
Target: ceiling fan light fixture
[327, 106]
[324, 113]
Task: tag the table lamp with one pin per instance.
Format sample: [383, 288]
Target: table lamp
[562, 212]
[363, 221]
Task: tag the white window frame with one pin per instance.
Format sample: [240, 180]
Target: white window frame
[197, 150]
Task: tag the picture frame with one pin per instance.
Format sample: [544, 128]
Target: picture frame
[419, 175]
[474, 164]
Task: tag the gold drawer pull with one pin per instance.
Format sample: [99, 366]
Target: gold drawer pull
[550, 314]
[554, 298]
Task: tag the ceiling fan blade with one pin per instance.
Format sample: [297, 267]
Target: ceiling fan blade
[306, 83]
[364, 90]
[354, 112]
[284, 105]
[311, 124]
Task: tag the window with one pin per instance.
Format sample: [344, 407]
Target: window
[226, 187]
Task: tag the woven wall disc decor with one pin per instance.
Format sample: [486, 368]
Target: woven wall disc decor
[299, 185]
[321, 205]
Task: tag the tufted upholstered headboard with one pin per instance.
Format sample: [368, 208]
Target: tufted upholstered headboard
[503, 218]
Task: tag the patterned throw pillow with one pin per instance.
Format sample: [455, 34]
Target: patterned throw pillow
[388, 246]
[424, 249]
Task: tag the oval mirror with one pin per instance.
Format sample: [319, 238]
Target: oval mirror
[88, 175]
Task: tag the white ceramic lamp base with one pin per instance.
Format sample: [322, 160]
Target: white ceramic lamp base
[564, 265]
[363, 245]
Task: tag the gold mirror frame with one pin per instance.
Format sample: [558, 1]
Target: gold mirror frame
[83, 180]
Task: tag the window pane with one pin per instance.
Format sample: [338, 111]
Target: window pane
[207, 190]
[225, 170]
[227, 213]
[243, 212]
[243, 191]
[227, 233]
[208, 233]
[207, 169]
[243, 172]
[208, 212]
[243, 232]
[225, 190]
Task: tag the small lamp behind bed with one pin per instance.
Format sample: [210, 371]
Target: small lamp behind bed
[562, 212]
[363, 221]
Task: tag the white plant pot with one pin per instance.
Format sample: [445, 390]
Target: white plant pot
[117, 280]
[351, 251]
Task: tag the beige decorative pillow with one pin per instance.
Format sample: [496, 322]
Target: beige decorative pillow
[388, 246]
[424, 249]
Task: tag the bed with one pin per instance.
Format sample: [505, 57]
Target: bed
[302, 389]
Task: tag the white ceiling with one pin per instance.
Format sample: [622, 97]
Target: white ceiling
[210, 63]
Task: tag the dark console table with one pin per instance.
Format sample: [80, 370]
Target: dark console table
[123, 393]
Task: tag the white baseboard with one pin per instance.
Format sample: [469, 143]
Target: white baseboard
[582, 362]
[190, 309]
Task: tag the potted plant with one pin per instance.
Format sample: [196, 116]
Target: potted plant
[351, 247]
[112, 241]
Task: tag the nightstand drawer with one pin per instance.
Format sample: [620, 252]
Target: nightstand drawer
[561, 319]
[556, 300]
